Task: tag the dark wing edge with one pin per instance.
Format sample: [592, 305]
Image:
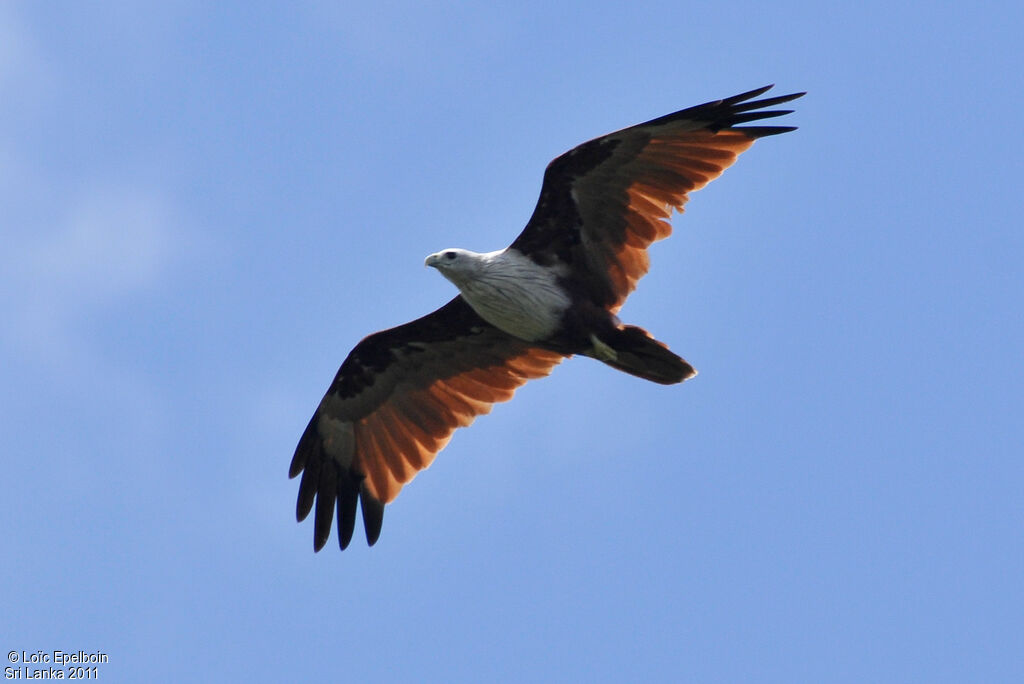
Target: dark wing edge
[394, 404]
[732, 111]
[603, 203]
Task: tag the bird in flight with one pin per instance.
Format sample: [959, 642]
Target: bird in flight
[551, 294]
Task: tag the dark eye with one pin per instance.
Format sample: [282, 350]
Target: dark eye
[449, 255]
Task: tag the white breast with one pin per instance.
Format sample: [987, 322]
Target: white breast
[515, 295]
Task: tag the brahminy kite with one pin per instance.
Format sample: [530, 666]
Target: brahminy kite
[554, 292]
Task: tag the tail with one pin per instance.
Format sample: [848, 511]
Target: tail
[633, 351]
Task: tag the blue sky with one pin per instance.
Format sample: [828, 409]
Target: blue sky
[205, 207]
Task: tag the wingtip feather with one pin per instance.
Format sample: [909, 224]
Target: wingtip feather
[307, 492]
[348, 499]
[373, 516]
[306, 444]
[326, 495]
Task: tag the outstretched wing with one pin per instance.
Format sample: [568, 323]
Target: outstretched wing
[604, 202]
[393, 406]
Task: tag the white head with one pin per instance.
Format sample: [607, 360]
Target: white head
[457, 265]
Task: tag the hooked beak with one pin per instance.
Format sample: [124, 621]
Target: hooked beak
[432, 260]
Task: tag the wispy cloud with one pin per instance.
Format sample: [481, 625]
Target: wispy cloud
[111, 242]
[72, 245]
[114, 239]
[21, 61]
[79, 241]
